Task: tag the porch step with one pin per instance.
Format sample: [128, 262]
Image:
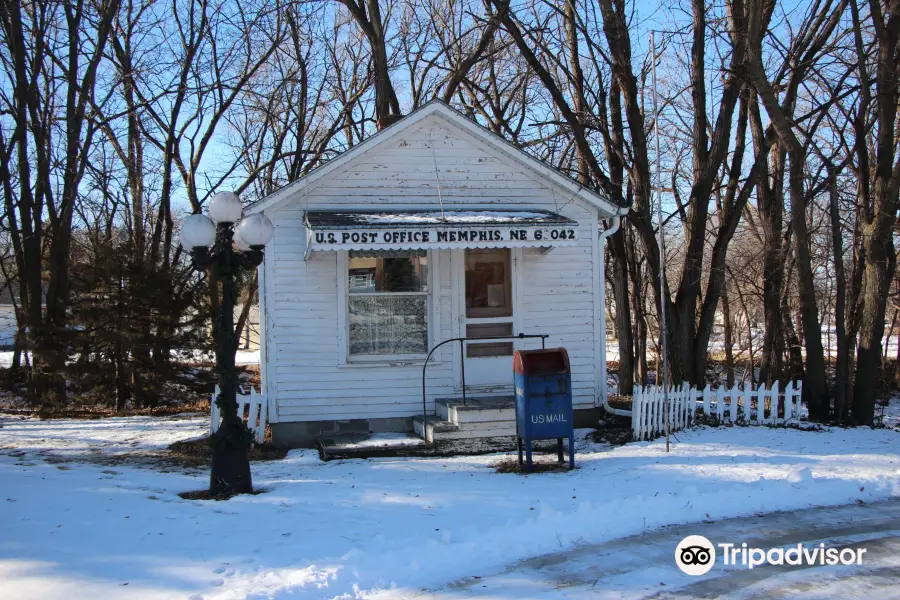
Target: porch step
[432, 427]
[476, 410]
[436, 429]
[369, 445]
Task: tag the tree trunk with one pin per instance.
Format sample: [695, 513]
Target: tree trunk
[640, 320]
[729, 343]
[877, 195]
[881, 260]
[623, 322]
[770, 205]
[18, 342]
[243, 317]
[730, 207]
[746, 312]
[795, 346]
[841, 368]
[890, 334]
[387, 108]
[880, 213]
[897, 360]
[367, 14]
[814, 385]
[618, 250]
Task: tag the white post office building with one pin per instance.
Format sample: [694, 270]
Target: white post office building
[434, 228]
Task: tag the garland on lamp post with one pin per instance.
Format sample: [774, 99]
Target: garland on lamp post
[210, 241]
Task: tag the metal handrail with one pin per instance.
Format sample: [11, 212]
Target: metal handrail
[462, 364]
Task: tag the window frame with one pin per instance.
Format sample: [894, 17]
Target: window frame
[343, 292]
[484, 345]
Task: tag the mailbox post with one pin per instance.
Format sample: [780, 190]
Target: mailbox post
[543, 382]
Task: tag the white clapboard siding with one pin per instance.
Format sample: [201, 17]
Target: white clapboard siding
[251, 407]
[304, 359]
[305, 377]
[727, 406]
[551, 301]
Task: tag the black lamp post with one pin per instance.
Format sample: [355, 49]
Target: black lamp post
[211, 240]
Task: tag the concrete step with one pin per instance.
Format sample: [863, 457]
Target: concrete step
[432, 428]
[484, 429]
[435, 429]
[476, 410]
[369, 445]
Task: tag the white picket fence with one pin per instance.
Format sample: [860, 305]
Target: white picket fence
[761, 406]
[252, 407]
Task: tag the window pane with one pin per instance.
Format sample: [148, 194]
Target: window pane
[371, 274]
[486, 330]
[489, 349]
[388, 324]
[488, 283]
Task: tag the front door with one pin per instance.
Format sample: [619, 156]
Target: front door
[488, 312]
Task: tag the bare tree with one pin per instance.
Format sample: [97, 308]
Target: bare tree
[367, 14]
[878, 201]
[51, 56]
[820, 25]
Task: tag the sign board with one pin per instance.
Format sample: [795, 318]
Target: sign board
[444, 237]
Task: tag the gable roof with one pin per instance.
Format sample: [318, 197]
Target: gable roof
[437, 107]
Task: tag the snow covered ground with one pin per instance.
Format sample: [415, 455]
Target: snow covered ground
[641, 567]
[890, 416]
[80, 438]
[6, 357]
[383, 527]
[242, 357]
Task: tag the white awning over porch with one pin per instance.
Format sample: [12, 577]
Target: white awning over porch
[433, 229]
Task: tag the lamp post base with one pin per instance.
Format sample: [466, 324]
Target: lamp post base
[230, 473]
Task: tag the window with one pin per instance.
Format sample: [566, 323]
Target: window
[488, 283]
[487, 330]
[388, 304]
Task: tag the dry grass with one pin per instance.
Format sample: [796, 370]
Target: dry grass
[206, 495]
[541, 464]
[188, 391]
[615, 436]
[96, 412]
[188, 456]
[198, 453]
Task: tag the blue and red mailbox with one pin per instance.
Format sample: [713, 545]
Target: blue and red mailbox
[543, 381]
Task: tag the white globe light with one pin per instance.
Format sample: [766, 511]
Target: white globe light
[225, 207]
[256, 229]
[198, 231]
[239, 241]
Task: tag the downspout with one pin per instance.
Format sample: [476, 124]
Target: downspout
[615, 222]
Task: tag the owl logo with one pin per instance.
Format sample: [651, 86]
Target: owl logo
[695, 555]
